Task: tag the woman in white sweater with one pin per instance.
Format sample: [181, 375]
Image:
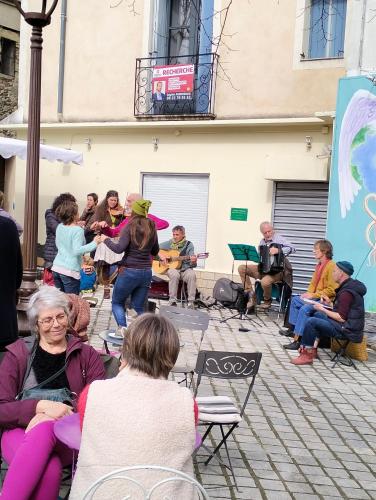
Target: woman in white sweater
[138, 417]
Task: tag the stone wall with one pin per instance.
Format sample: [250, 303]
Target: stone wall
[206, 281]
[9, 90]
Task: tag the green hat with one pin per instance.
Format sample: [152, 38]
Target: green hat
[141, 207]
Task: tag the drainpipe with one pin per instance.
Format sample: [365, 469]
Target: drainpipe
[362, 34]
[60, 89]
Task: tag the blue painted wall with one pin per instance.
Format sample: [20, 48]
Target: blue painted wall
[352, 189]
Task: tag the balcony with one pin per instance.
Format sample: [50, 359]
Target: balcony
[175, 88]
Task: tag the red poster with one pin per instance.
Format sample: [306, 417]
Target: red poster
[172, 82]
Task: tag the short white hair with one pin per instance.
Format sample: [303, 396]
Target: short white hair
[266, 223]
[47, 297]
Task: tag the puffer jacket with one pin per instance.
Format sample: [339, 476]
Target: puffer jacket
[84, 365]
[50, 250]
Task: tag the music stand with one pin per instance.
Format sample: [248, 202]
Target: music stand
[247, 253]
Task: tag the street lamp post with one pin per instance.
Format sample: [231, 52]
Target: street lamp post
[38, 20]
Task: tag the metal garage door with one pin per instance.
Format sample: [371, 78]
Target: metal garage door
[299, 213]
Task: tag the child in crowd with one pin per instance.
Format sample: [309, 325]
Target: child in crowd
[88, 276]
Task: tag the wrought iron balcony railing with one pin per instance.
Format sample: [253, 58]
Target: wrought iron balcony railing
[175, 87]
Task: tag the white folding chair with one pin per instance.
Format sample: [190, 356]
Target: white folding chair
[170, 478]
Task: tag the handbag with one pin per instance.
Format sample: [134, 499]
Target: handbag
[62, 395]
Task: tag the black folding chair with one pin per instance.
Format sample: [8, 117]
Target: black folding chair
[221, 411]
[341, 356]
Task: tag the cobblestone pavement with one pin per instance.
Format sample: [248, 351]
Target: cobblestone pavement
[308, 432]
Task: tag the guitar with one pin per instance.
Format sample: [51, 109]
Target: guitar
[174, 260]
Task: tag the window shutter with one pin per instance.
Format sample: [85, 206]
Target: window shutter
[181, 200]
[300, 212]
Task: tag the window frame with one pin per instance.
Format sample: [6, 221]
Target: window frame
[307, 48]
[13, 47]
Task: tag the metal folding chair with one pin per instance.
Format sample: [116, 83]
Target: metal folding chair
[341, 356]
[221, 411]
[190, 319]
[281, 292]
[168, 479]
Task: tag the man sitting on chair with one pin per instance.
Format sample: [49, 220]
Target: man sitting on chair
[267, 280]
[345, 321]
[186, 272]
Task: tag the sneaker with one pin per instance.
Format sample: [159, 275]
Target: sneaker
[191, 304]
[293, 346]
[172, 302]
[121, 332]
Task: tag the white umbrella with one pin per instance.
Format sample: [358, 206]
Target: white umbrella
[15, 147]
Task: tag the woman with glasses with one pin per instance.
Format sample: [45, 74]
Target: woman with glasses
[50, 364]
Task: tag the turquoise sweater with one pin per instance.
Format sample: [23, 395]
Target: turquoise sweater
[70, 243]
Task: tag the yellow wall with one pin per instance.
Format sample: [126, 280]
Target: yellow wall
[263, 72]
[236, 159]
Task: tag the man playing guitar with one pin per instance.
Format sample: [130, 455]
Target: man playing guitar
[186, 272]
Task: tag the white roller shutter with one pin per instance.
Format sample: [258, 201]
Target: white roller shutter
[180, 199]
[300, 212]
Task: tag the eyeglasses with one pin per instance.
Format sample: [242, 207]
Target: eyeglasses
[48, 322]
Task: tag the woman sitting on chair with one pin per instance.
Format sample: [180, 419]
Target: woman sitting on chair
[27, 411]
[138, 417]
[322, 285]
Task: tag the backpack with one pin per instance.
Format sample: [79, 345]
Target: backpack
[230, 294]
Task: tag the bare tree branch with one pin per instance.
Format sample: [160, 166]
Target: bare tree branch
[131, 6]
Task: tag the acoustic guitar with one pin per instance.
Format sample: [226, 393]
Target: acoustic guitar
[174, 260]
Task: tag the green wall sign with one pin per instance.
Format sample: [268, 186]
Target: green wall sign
[239, 214]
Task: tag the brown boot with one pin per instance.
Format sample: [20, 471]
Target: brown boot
[314, 353]
[107, 292]
[305, 357]
[266, 305]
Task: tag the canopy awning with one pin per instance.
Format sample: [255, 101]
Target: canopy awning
[15, 147]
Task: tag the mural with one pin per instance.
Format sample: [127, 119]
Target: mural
[352, 194]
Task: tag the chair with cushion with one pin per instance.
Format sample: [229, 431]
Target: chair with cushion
[134, 481]
[221, 411]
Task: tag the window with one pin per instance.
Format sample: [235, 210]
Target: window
[176, 28]
[326, 29]
[7, 56]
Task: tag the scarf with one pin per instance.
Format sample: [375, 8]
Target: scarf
[319, 269]
[179, 245]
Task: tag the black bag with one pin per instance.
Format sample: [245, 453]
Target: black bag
[230, 294]
[63, 395]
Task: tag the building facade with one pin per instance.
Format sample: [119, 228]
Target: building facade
[250, 127]
[9, 51]
[9, 63]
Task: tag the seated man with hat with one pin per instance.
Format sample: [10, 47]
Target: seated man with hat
[345, 320]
